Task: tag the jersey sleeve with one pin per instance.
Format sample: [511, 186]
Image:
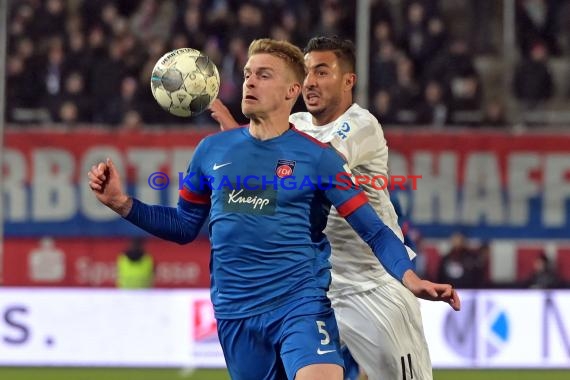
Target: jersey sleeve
[180, 224]
[195, 186]
[357, 139]
[337, 183]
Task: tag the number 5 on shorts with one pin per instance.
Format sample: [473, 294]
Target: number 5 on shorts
[321, 326]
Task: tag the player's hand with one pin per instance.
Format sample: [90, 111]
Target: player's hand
[222, 115]
[432, 291]
[105, 183]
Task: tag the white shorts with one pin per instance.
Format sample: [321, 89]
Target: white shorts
[383, 330]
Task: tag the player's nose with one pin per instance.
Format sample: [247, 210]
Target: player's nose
[249, 81]
[310, 81]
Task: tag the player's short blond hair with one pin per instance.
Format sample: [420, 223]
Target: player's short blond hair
[291, 54]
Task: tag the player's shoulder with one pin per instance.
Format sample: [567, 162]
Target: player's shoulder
[303, 121]
[357, 123]
[223, 136]
[306, 139]
[359, 118]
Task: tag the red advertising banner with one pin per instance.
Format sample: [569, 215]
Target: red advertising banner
[91, 262]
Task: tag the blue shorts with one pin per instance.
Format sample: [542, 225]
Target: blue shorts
[276, 344]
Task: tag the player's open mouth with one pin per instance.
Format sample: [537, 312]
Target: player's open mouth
[249, 97]
[312, 97]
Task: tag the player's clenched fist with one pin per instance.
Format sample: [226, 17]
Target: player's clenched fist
[105, 183]
[97, 177]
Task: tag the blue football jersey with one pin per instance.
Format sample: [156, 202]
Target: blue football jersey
[269, 202]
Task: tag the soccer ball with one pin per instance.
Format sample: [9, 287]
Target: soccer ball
[185, 82]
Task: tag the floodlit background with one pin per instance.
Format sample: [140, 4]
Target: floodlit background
[473, 95]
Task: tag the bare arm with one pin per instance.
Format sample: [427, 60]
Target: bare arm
[222, 115]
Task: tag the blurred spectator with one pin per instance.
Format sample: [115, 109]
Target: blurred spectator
[482, 264]
[454, 65]
[78, 56]
[384, 67]
[462, 267]
[190, 25]
[75, 96]
[434, 109]
[290, 23]
[335, 19]
[122, 102]
[21, 87]
[466, 93]
[382, 34]
[423, 34]
[68, 114]
[132, 121]
[53, 69]
[153, 19]
[406, 93]
[532, 81]
[537, 20]
[543, 276]
[382, 108]
[135, 267]
[250, 24]
[494, 115]
[106, 77]
[124, 38]
[50, 20]
[381, 23]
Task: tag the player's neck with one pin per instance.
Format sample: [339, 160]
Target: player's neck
[268, 128]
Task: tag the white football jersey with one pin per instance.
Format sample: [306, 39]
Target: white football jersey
[358, 136]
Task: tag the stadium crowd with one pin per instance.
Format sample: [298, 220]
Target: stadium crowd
[74, 61]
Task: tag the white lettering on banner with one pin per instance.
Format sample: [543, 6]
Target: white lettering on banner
[53, 195]
[94, 273]
[556, 190]
[15, 192]
[59, 190]
[436, 198]
[146, 162]
[90, 206]
[482, 195]
[176, 273]
[521, 186]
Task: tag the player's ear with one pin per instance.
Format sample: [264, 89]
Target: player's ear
[294, 91]
[349, 81]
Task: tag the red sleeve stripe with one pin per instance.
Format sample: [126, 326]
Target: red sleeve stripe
[352, 205]
[189, 196]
